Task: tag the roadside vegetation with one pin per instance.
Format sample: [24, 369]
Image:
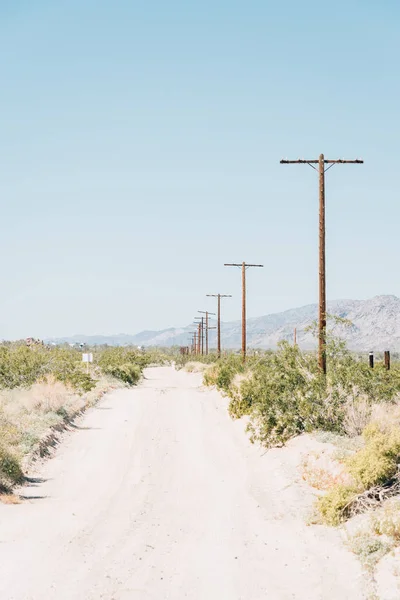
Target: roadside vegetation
[42, 389]
[354, 408]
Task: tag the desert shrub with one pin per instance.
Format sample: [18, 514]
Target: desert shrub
[357, 415]
[285, 394]
[386, 520]
[181, 360]
[128, 373]
[124, 364]
[376, 463]
[374, 471]
[66, 366]
[240, 405]
[194, 366]
[368, 547]
[334, 507]
[210, 375]
[10, 468]
[222, 373]
[21, 366]
[288, 396]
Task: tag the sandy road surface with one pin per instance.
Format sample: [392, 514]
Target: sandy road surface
[159, 496]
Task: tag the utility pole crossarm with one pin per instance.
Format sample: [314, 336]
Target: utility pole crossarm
[303, 161]
[241, 265]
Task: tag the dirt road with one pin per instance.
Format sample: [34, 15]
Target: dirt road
[159, 495]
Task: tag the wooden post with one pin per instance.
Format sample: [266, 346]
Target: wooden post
[387, 360]
[371, 360]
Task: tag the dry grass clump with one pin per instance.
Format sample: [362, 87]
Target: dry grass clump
[374, 471]
[369, 547]
[386, 519]
[10, 499]
[28, 415]
[379, 534]
[196, 367]
[357, 415]
[46, 396]
[386, 416]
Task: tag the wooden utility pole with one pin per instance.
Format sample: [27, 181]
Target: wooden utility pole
[198, 338]
[295, 337]
[243, 266]
[206, 312]
[201, 334]
[321, 162]
[219, 296]
[194, 343]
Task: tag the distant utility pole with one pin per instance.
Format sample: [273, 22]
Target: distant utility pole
[198, 338]
[243, 266]
[295, 337]
[321, 162]
[193, 338]
[201, 334]
[219, 296]
[207, 327]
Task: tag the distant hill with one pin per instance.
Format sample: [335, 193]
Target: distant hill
[375, 326]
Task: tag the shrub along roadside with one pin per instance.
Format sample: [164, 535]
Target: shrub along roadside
[375, 477]
[44, 388]
[284, 395]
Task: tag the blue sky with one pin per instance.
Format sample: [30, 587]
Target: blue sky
[140, 148]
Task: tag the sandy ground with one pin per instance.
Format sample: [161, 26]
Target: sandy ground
[160, 495]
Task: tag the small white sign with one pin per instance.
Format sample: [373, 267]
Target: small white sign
[87, 358]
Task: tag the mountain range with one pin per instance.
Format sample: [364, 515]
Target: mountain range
[375, 325]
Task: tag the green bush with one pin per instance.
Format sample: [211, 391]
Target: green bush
[240, 404]
[288, 396]
[10, 469]
[285, 394]
[334, 507]
[22, 366]
[128, 373]
[376, 463]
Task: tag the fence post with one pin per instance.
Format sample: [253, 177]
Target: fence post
[371, 360]
[387, 360]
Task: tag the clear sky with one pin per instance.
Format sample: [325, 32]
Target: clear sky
[139, 148]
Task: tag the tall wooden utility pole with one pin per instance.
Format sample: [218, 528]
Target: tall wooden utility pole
[206, 312]
[219, 296]
[243, 266]
[321, 162]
